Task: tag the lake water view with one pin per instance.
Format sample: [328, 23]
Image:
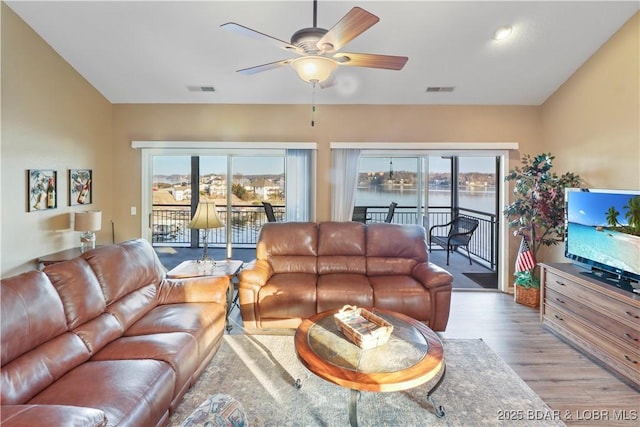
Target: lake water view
[477, 200]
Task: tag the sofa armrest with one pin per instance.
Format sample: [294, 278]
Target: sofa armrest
[194, 289]
[255, 274]
[431, 275]
[51, 415]
[438, 281]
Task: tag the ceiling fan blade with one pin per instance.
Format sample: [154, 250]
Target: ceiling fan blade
[264, 67]
[248, 32]
[370, 60]
[354, 23]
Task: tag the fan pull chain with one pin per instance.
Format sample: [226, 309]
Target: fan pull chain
[313, 104]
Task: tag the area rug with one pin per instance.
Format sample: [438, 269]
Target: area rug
[486, 280]
[260, 371]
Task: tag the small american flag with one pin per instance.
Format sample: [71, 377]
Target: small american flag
[525, 260]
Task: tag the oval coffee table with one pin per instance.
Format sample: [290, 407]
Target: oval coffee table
[413, 356]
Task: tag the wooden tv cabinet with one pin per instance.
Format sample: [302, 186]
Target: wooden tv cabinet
[599, 319]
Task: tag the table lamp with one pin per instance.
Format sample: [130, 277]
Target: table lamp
[205, 218]
[87, 222]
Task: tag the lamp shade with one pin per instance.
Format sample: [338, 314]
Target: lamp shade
[88, 221]
[206, 217]
[314, 68]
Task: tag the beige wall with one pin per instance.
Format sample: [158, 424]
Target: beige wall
[291, 123]
[51, 119]
[592, 122]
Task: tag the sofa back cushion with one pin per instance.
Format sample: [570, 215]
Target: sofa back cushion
[31, 314]
[124, 268]
[394, 248]
[84, 304]
[129, 274]
[78, 289]
[290, 247]
[341, 248]
[36, 347]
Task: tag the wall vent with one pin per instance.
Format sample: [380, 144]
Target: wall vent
[440, 89]
[201, 88]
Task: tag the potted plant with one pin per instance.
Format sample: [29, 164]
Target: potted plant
[537, 214]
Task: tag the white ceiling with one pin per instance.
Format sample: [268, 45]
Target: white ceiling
[153, 52]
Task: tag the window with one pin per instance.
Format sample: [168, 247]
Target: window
[175, 180]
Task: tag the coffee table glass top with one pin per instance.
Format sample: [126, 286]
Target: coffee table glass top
[406, 347]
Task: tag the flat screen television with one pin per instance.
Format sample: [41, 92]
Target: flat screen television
[600, 237]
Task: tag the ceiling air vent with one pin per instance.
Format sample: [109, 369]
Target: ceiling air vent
[440, 89]
[201, 88]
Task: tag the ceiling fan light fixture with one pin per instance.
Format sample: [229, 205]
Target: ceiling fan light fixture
[314, 68]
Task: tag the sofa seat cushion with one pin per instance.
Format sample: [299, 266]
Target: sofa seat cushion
[129, 392]
[204, 321]
[337, 290]
[402, 294]
[51, 415]
[178, 349]
[288, 295]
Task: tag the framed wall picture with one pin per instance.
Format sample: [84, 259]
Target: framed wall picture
[42, 194]
[80, 187]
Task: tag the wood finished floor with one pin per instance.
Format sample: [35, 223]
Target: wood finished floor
[583, 393]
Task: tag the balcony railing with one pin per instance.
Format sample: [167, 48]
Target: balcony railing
[170, 225]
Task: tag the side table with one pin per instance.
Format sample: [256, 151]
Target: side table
[227, 267]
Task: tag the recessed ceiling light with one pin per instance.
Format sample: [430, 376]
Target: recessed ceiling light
[502, 32]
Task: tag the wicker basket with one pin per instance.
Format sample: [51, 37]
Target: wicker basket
[528, 296]
[363, 328]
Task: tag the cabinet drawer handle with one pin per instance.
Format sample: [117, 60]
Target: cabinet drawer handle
[632, 315]
[559, 300]
[630, 359]
[558, 317]
[630, 337]
[560, 283]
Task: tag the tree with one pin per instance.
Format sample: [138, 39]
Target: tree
[239, 191]
[537, 212]
[612, 216]
[633, 213]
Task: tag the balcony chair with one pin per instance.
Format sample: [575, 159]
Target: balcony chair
[360, 214]
[390, 212]
[268, 210]
[460, 232]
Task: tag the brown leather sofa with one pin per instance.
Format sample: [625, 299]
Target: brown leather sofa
[304, 268]
[105, 339]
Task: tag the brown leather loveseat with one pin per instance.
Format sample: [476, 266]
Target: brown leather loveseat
[105, 339]
[304, 268]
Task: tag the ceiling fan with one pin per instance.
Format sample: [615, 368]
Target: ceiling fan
[318, 48]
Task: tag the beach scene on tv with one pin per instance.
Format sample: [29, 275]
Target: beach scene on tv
[605, 227]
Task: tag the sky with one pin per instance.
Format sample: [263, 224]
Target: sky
[262, 165]
[590, 208]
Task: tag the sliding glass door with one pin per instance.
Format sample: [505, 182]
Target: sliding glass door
[385, 180]
[431, 190]
[177, 180]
